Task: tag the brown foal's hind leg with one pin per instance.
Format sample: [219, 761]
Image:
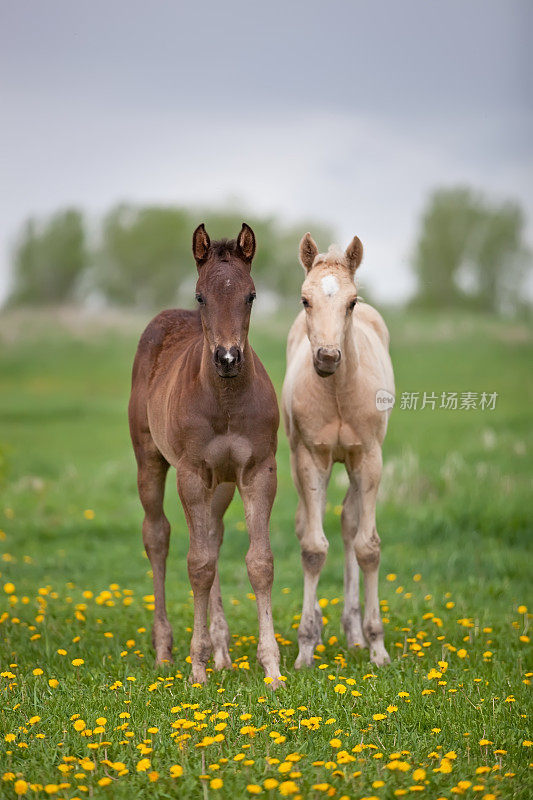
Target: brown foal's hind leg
[218, 628]
[152, 471]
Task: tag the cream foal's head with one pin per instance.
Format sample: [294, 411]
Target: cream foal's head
[329, 296]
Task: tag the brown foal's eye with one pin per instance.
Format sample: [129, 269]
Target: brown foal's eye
[305, 302]
[351, 306]
[251, 297]
[200, 298]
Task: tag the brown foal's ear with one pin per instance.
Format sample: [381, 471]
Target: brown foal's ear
[246, 243]
[200, 244]
[354, 253]
[308, 251]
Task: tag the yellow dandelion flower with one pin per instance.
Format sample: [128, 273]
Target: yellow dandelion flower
[37, 671]
[143, 765]
[340, 688]
[9, 588]
[216, 783]
[88, 513]
[287, 788]
[270, 783]
[104, 781]
[378, 717]
[176, 771]
[419, 774]
[77, 662]
[20, 787]
[253, 788]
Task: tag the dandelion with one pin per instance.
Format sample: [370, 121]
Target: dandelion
[419, 774]
[176, 771]
[104, 781]
[88, 513]
[340, 688]
[143, 765]
[253, 788]
[37, 671]
[9, 588]
[216, 783]
[287, 788]
[77, 662]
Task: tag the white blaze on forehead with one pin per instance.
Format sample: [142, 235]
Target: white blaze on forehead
[330, 285]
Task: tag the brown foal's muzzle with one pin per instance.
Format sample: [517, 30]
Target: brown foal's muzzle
[228, 363]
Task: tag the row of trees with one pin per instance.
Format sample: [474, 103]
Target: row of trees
[469, 252]
[141, 256]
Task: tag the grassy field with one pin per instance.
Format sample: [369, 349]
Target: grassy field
[84, 713]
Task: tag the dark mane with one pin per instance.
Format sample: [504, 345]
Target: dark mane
[223, 249]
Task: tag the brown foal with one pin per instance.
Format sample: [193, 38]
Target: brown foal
[202, 402]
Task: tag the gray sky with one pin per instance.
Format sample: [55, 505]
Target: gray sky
[345, 111]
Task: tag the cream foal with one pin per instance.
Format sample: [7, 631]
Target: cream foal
[337, 360]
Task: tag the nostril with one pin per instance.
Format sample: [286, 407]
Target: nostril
[236, 354]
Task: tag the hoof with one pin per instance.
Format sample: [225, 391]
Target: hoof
[304, 660]
[198, 675]
[164, 659]
[222, 661]
[380, 657]
[275, 684]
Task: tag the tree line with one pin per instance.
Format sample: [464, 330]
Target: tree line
[469, 252]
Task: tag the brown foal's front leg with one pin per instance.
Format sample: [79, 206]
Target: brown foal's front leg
[218, 626]
[201, 563]
[156, 534]
[258, 489]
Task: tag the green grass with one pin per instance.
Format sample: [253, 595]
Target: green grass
[454, 512]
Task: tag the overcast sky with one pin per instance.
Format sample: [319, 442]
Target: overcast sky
[348, 112]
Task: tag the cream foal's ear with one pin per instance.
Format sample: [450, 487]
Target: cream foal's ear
[308, 251]
[354, 254]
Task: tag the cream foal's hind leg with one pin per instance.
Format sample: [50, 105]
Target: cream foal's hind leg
[351, 616]
[311, 481]
[367, 550]
[218, 626]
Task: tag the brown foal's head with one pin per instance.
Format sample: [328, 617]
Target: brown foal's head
[225, 293]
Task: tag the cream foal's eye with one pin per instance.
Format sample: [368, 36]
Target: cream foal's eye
[351, 305]
[305, 302]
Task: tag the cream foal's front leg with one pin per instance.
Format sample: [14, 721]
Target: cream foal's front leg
[368, 551]
[311, 481]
